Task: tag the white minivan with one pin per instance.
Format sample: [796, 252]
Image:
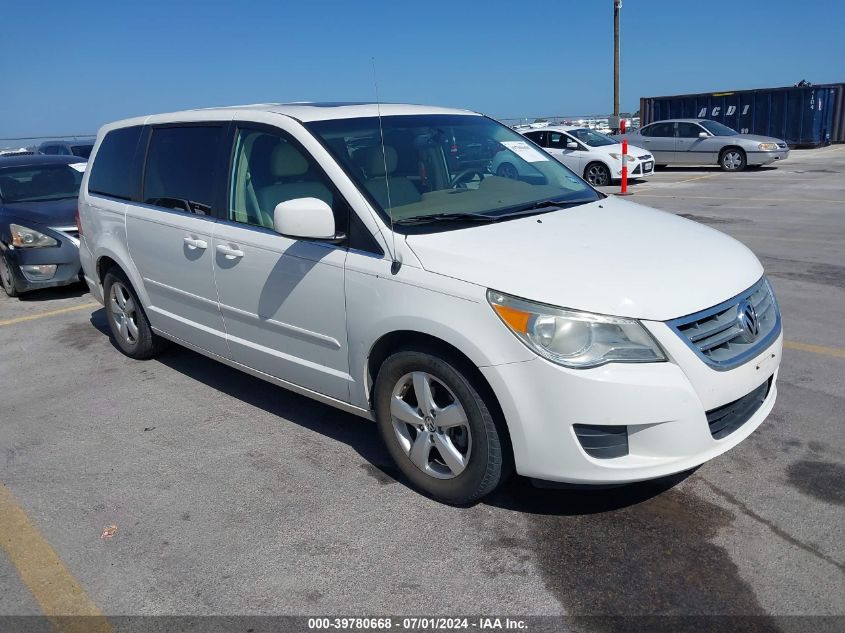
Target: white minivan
[485, 323]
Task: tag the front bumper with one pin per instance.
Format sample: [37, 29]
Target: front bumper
[636, 169]
[767, 158]
[65, 257]
[664, 406]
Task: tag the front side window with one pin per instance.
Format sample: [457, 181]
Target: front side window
[409, 178]
[592, 138]
[37, 183]
[688, 130]
[559, 140]
[113, 172]
[180, 168]
[717, 129]
[269, 168]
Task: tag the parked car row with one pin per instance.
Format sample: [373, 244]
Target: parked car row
[339, 251]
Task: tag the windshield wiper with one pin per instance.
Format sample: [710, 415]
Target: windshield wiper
[547, 204]
[445, 217]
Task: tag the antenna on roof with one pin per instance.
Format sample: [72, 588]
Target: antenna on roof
[397, 264]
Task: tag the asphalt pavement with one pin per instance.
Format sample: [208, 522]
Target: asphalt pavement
[231, 496]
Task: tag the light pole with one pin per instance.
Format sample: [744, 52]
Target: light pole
[617, 6]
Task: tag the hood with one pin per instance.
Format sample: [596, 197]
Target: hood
[758, 139]
[46, 213]
[611, 257]
[633, 150]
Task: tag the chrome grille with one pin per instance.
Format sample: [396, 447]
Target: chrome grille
[717, 335]
[782, 145]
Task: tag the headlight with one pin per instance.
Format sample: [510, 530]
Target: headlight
[768, 147]
[575, 339]
[628, 157]
[24, 237]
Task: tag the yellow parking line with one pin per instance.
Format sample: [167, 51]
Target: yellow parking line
[49, 313]
[815, 349]
[59, 594]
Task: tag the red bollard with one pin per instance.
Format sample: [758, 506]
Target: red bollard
[624, 191]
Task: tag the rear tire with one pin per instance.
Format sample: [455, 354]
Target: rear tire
[6, 279]
[444, 440]
[128, 322]
[732, 159]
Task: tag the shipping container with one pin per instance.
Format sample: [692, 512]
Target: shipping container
[803, 116]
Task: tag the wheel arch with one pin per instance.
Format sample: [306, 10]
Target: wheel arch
[598, 161]
[106, 259]
[395, 340]
[739, 147]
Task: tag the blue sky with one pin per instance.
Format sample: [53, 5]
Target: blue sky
[69, 67]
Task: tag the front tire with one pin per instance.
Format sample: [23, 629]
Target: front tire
[128, 322]
[6, 279]
[438, 428]
[597, 174]
[732, 159]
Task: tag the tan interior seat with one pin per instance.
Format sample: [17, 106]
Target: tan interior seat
[294, 179]
[373, 162]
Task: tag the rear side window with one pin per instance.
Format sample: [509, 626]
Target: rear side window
[113, 171]
[180, 170]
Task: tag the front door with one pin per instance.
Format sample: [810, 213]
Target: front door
[282, 299]
[690, 148]
[170, 233]
[568, 151]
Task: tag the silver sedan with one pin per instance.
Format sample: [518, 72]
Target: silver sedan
[705, 142]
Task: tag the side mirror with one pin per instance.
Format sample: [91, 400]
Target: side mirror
[703, 135]
[308, 218]
[571, 145]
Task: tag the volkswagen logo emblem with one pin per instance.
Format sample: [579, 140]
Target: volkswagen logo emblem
[749, 324]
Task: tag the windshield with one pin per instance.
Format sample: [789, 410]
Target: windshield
[448, 165]
[592, 138]
[717, 129]
[32, 183]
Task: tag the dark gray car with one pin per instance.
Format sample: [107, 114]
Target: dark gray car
[706, 142]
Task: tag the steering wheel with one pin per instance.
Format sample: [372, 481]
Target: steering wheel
[461, 176]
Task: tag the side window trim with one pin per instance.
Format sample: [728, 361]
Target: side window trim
[231, 148]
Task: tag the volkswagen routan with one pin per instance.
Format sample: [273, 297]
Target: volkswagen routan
[487, 324]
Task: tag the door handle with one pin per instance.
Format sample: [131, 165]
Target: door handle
[194, 243]
[229, 253]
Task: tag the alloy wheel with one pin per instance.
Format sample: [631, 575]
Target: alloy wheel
[430, 425]
[124, 312]
[597, 175]
[732, 160]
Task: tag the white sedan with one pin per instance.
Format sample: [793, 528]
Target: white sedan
[595, 156]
